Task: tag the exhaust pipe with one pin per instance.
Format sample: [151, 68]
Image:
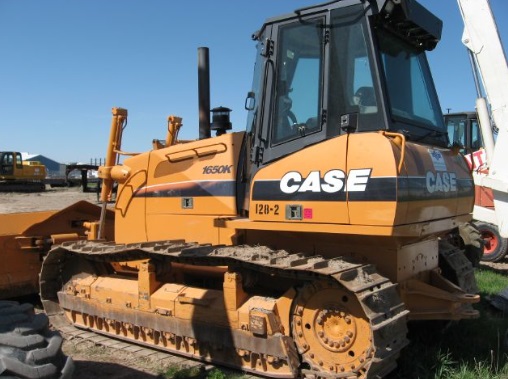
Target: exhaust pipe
[204, 92]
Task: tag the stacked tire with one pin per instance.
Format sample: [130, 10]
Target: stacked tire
[28, 348]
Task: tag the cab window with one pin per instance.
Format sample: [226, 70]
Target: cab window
[19, 161]
[353, 88]
[298, 82]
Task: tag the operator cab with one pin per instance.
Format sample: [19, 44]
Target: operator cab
[8, 161]
[327, 70]
[464, 131]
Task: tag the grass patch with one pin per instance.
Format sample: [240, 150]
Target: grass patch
[490, 282]
[179, 372]
[199, 372]
[463, 349]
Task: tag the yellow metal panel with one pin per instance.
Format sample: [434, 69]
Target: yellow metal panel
[194, 178]
[191, 228]
[16, 223]
[444, 178]
[129, 228]
[127, 191]
[201, 305]
[163, 300]
[411, 230]
[32, 171]
[129, 209]
[204, 183]
[209, 205]
[115, 291]
[293, 171]
[19, 270]
[377, 152]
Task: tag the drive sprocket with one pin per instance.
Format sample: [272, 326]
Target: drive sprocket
[329, 326]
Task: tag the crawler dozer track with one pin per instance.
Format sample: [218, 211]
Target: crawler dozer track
[341, 319]
[22, 186]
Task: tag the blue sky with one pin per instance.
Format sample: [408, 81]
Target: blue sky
[66, 63]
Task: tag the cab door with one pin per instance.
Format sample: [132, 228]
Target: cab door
[294, 105]
[7, 164]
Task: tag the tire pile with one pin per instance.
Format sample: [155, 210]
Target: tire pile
[28, 348]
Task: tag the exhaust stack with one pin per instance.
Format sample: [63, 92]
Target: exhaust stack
[204, 92]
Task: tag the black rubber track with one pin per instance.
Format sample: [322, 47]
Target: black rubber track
[28, 348]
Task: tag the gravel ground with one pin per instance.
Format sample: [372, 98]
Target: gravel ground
[51, 199]
[501, 266]
[93, 361]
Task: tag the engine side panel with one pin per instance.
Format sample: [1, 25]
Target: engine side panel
[185, 187]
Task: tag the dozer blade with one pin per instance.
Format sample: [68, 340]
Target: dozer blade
[19, 271]
[26, 237]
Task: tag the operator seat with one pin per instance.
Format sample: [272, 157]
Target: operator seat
[366, 100]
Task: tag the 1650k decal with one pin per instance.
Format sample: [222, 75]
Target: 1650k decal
[219, 169]
[332, 182]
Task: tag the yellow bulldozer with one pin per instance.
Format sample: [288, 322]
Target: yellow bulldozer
[302, 246]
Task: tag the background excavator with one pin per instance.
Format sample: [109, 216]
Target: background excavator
[19, 175]
[483, 135]
[300, 247]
